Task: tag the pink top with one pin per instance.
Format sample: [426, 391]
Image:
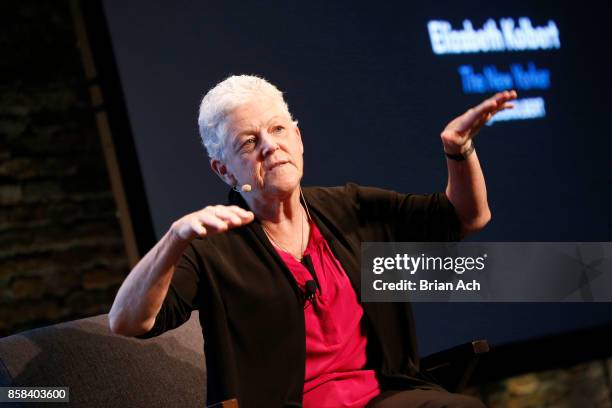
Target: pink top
[335, 344]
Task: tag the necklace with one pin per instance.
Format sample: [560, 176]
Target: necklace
[302, 249]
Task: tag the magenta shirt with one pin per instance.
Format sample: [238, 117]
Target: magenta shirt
[335, 344]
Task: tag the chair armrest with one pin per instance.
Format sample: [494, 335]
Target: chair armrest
[452, 368]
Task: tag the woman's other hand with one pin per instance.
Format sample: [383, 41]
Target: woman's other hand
[213, 219]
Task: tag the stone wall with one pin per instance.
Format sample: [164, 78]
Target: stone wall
[61, 251]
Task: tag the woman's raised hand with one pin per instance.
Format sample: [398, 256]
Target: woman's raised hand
[462, 129]
[210, 220]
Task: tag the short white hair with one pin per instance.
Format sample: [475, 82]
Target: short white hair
[225, 97]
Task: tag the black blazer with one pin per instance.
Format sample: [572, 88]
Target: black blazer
[251, 309]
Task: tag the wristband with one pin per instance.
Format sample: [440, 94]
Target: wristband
[461, 156]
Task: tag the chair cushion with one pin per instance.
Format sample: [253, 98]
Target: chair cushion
[103, 369]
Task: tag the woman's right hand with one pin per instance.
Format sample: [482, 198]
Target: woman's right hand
[210, 220]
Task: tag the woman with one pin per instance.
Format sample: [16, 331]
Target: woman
[275, 274]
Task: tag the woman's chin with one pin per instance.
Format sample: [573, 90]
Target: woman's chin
[282, 186]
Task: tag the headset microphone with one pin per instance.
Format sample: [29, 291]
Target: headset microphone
[245, 188]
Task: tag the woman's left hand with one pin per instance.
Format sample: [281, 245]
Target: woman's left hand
[457, 134]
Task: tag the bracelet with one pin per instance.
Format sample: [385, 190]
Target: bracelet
[461, 156]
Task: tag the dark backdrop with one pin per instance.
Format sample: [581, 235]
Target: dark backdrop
[371, 98]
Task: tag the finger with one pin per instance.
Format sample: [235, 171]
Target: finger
[499, 109]
[498, 102]
[227, 215]
[490, 105]
[499, 99]
[211, 221]
[198, 228]
[502, 97]
[480, 123]
[474, 115]
[238, 217]
[246, 216]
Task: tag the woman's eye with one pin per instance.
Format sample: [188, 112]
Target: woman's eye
[278, 129]
[248, 143]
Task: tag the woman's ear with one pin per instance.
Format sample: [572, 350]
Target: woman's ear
[222, 171]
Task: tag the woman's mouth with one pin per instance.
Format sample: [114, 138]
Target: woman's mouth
[277, 164]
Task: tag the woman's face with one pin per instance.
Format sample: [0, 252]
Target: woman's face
[263, 148]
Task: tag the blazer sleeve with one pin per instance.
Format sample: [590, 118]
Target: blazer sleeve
[182, 297]
[408, 217]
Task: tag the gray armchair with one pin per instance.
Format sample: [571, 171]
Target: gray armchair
[103, 369]
[106, 370]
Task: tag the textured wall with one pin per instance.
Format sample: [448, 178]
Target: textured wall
[61, 250]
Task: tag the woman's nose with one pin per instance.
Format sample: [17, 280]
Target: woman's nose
[268, 143]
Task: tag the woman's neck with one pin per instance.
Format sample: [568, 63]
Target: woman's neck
[277, 210]
[284, 221]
